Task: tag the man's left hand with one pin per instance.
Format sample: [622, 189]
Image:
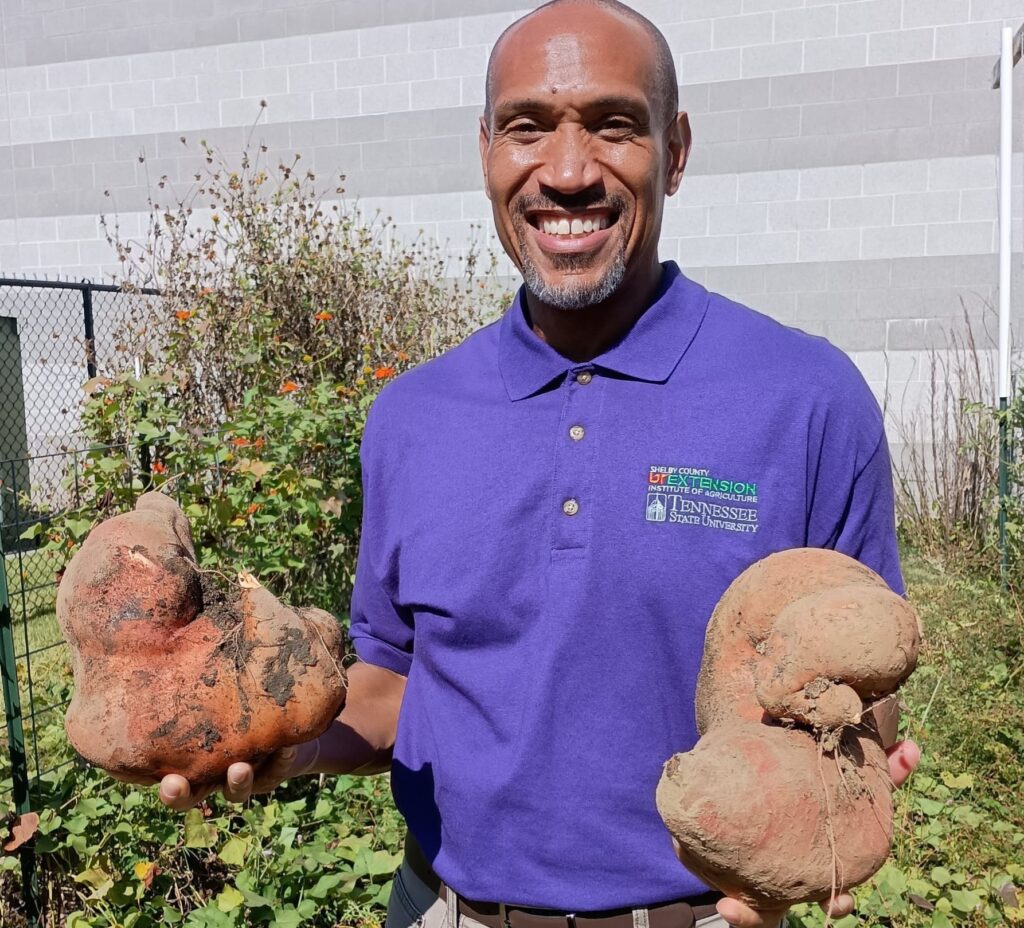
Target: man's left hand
[903, 757]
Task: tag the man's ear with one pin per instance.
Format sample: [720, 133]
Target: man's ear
[679, 141]
[485, 144]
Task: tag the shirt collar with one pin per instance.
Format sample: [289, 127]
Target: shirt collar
[649, 351]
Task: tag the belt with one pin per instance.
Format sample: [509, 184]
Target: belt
[684, 913]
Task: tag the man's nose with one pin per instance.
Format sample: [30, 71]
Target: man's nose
[569, 163]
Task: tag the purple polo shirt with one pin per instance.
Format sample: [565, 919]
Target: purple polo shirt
[543, 545]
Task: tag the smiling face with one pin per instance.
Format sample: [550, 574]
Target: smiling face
[577, 156]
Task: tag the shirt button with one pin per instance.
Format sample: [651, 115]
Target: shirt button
[570, 507]
[576, 433]
[584, 377]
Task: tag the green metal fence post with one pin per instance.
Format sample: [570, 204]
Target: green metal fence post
[1004, 492]
[1004, 480]
[16, 740]
[90, 331]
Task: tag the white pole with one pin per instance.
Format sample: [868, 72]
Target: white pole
[1005, 181]
[1006, 63]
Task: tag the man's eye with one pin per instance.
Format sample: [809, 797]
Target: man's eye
[524, 128]
[616, 127]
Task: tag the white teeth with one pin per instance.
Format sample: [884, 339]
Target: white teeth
[575, 226]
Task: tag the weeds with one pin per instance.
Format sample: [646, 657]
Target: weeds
[946, 470]
[958, 855]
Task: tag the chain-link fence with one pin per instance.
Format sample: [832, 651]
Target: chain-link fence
[54, 338]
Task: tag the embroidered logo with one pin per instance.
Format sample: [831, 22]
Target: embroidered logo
[656, 508]
[694, 496]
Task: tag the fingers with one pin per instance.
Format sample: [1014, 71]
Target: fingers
[740, 915]
[277, 768]
[133, 779]
[238, 782]
[903, 758]
[242, 780]
[176, 793]
[840, 907]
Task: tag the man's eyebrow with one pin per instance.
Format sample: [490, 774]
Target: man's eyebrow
[511, 107]
[635, 106]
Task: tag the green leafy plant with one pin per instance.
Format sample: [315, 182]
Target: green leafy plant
[243, 389]
[314, 854]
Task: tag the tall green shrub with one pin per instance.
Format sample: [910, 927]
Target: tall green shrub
[282, 314]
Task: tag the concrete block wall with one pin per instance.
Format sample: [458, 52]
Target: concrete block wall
[843, 177]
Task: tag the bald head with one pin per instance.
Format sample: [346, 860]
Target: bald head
[665, 102]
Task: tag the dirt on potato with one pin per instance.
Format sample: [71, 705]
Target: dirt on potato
[174, 675]
[786, 797]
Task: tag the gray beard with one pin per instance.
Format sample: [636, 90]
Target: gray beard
[572, 294]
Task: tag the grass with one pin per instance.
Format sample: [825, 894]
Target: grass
[966, 702]
[42, 661]
[32, 588]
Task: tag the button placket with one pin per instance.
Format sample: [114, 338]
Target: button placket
[572, 478]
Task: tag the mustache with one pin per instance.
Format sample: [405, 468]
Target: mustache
[569, 202]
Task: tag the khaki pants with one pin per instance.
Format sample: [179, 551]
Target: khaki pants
[414, 905]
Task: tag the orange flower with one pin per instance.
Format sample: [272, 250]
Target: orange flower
[159, 467]
[253, 507]
[183, 315]
[259, 443]
[289, 386]
[382, 373]
[239, 442]
[206, 291]
[324, 316]
[402, 356]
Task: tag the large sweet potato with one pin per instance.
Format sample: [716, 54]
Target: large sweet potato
[786, 797]
[172, 676]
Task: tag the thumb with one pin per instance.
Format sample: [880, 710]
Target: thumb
[176, 793]
[741, 915]
[903, 758]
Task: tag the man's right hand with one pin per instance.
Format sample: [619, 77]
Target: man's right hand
[360, 740]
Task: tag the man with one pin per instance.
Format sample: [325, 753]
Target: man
[553, 509]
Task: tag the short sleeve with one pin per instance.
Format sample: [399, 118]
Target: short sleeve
[381, 630]
[851, 505]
